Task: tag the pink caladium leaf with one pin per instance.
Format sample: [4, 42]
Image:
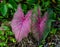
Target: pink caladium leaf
[39, 25]
[21, 24]
[43, 23]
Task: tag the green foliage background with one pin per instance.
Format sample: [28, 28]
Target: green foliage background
[8, 8]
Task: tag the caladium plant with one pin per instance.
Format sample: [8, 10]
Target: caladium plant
[39, 24]
[21, 24]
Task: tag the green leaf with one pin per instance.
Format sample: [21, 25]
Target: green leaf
[13, 3]
[24, 7]
[41, 46]
[1, 32]
[2, 37]
[53, 31]
[17, 0]
[9, 33]
[51, 13]
[9, 5]
[5, 27]
[47, 30]
[1, 17]
[31, 1]
[47, 4]
[4, 9]
[59, 19]
[2, 44]
[13, 40]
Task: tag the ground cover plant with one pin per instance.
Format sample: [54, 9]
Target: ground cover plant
[30, 23]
